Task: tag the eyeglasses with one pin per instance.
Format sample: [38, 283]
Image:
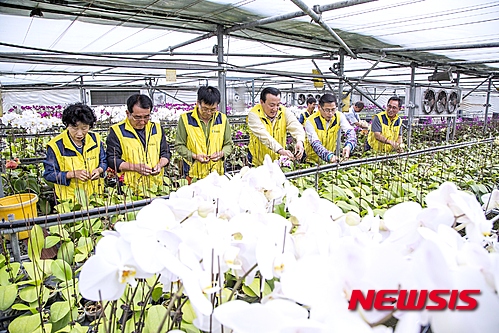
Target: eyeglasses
[328, 110]
[143, 118]
[393, 107]
[210, 110]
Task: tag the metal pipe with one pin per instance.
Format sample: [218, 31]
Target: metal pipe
[222, 83]
[362, 93]
[454, 122]
[318, 19]
[49, 220]
[412, 105]
[436, 48]
[278, 18]
[366, 73]
[188, 42]
[478, 86]
[109, 63]
[341, 74]
[487, 106]
[320, 72]
[354, 163]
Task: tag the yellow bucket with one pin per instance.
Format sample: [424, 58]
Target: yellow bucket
[19, 207]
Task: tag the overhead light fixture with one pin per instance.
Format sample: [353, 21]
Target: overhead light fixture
[36, 12]
[441, 76]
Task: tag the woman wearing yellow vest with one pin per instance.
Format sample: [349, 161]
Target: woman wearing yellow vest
[76, 158]
[386, 129]
[137, 147]
[203, 136]
[322, 130]
[269, 123]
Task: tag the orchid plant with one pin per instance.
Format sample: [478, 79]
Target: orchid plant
[194, 262]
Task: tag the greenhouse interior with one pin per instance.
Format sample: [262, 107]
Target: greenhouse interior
[255, 166]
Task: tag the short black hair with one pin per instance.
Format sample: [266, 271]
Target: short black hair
[327, 98]
[209, 95]
[395, 98]
[269, 90]
[78, 112]
[311, 100]
[359, 104]
[143, 101]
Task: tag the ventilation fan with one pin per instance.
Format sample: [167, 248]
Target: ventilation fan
[301, 99]
[317, 97]
[310, 95]
[453, 102]
[441, 101]
[428, 101]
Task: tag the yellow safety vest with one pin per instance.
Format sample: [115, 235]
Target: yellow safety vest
[70, 159]
[134, 152]
[277, 129]
[196, 142]
[305, 115]
[327, 136]
[390, 129]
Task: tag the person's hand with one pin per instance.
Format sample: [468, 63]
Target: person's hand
[82, 175]
[216, 156]
[287, 153]
[299, 150]
[333, 159]
[96, 173]
[143, 169]
[203, 158]
[156, 170]
[346, 152]
[400, 147]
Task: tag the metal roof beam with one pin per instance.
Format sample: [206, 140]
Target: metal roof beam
[436, 48]
[288, 16]
[318, 19]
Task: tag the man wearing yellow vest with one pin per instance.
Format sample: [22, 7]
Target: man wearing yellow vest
[203, 136]
[311, 102]
[322, 129]
[76, 158]
[386, 129]
[137, 147]
[269, 123]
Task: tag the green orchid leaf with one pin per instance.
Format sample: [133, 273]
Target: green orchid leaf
[66, 252]
[35, 243]
[58, 311]
[61, 270]
[9, 272]
[25, 324]
[8, 295]
[21, 307]
[155, 316]
[29, 294]
[51, 241]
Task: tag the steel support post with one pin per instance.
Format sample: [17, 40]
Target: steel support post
[458, 77]
[14, 244]
[83, 97]
[341, 72]
[411, 106]
[487, 104]
[222, 74]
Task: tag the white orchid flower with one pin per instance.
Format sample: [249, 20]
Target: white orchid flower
[272, 243]
[105, 275]
[274, 316]
[490, 200]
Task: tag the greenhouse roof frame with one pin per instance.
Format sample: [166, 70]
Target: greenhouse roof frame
[237, 19]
